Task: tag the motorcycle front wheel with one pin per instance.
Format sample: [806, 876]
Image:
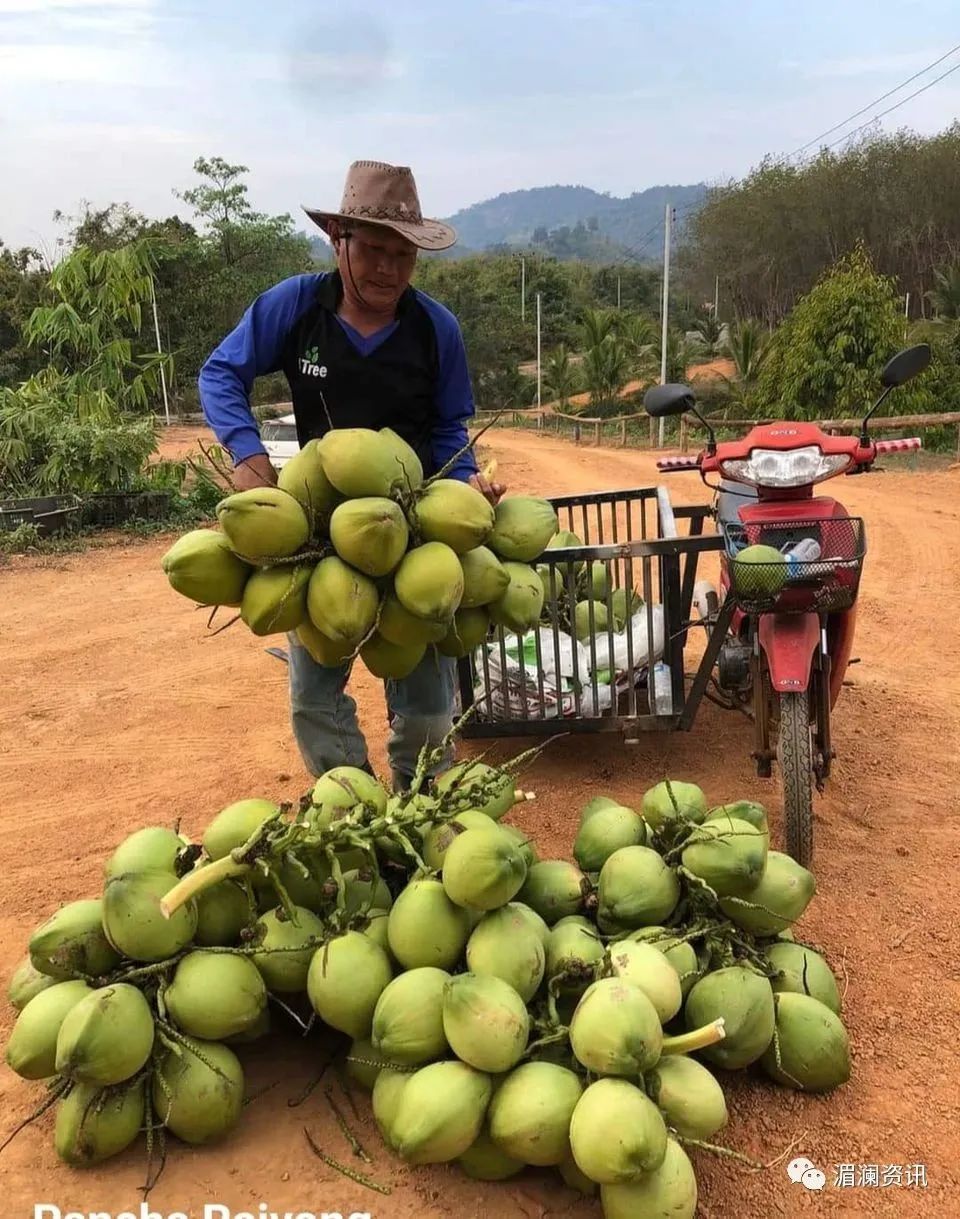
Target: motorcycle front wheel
[795, 759]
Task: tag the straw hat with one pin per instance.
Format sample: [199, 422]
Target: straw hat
[386, 195]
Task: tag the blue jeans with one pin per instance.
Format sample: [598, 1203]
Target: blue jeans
[420, 711]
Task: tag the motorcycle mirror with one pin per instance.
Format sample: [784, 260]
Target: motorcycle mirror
[905, 365]
[663, 400]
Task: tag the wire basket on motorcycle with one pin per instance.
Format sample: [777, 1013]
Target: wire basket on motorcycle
[795, 566]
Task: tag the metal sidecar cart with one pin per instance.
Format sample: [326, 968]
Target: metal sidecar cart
[608, 653]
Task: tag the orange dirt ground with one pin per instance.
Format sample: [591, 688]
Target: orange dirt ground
[118, 711]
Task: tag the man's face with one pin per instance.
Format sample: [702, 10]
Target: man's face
[381, 264]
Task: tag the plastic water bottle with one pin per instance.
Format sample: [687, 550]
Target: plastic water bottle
[661, 689]
[807, 550]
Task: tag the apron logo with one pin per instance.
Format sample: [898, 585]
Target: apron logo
[310, 364]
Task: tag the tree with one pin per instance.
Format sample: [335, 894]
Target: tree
[561, 377]
[747, 345]
[945, 295]
[825, 360]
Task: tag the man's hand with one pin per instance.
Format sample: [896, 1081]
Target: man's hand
[255, 471]
[491, 491]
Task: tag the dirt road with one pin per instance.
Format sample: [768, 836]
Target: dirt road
[118, 711]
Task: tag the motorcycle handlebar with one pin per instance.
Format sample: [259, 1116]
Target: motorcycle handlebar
[898, 446]
[670, 464]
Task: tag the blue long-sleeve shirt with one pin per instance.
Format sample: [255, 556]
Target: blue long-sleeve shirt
[412, 375]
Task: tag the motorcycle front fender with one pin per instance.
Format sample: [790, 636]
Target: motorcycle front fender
[789, 641]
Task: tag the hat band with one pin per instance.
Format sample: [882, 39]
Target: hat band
[384, 213]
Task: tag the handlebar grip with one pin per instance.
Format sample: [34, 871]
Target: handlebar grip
[668, 464]
[899, 446]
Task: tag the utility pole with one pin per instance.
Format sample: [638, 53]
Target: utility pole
[538, 351]
[665, 309]
[618, 291]
[163, 375]
[523, 289]
[716, 298]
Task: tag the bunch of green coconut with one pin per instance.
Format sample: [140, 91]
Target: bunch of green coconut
[506, 1012]
[598, 607]
[359, 555]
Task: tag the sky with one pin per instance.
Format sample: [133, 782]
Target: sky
[113, 100]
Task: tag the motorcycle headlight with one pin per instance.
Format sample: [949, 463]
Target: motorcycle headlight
[786, 468]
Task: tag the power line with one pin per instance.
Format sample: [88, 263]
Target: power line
[876, 102]
[890, 109]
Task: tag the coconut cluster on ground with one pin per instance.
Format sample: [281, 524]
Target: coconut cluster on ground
[359, 555]
[505, 1012]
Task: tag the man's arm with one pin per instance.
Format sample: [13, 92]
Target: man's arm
[252, 349]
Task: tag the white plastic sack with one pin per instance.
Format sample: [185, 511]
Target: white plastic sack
[619, 659]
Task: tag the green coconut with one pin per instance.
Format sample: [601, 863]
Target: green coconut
[484, 578]
[810, 1050]
[222, 913]
[483, 869]
[408, 1018]
[574, 950]
[680, 953]
[555, 889]
[214, 995]
[484, 1161]
[374, 924]
[689, 1096]
[385, 1100]
[308, 888]
[672, 799]
[440, 1112]
[286, 949]
[744, 1000]
[728, 855]
[617, 1133]
[363, 1063]
[760, 572]
[529, 1115]
[275, 598]
[400, 627]
[485, 1021]
[645, 966]
[263, 523]
[784, 891]
[341, 601]
[32, 1048]
[391, 661]
[106, 1037]
[531, 917]
[371, 534]
[742, 810]
[262, 1027]
[346, 787]
[200, 565]
[93, 1124]
[154, 847]
[234, 825]
[303, 477]
[360, 462]
[475, 785]
[365, 890]
[454, 513]
[329, 653]
[26, 982]
[521, 604]
[134, 921]
[522, 528]
[469, 630]
[505, 945]
[668, 1192]
[439, 837]
[605, 831]
[590, 618]
[426, 928]
[596, 805]
[72, 941]
[429, 582]
[567, 540]
[803, 972]
[407, 461]
[525, 844]
[597, 581]
[615, 1029]
[346, 977]
[624, 604]
[637, 888]
[198, 1093]
[573, 1178]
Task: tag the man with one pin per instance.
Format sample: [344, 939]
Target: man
[360, 348]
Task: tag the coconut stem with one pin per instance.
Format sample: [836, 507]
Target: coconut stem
[355, 1145]
[344, 1170]
[716, 1149]
[699, 1039]
[198, 880]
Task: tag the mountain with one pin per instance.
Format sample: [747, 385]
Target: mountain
[522, 217]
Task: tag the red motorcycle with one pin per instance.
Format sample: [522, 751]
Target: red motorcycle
[790, 573]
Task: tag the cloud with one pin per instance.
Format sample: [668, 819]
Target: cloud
[111, 133]
[73, 64]
[38, 7]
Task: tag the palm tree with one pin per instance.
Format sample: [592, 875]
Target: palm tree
[748, 346]
[606, 368]
[560, 376]
[597, 325]
[709, 329]
[945, 297]
[639, 337]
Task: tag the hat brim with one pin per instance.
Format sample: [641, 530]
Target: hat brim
[427, 235]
